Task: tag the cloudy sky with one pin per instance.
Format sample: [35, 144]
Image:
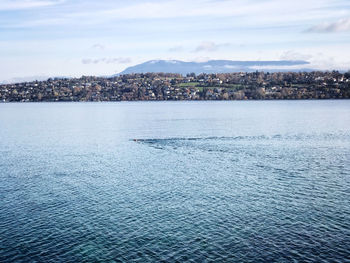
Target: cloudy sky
[89, 37]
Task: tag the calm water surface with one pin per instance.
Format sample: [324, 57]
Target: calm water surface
[264, 181]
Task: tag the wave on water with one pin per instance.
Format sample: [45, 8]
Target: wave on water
[182, 141]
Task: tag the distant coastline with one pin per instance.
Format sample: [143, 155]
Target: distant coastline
[170, 86]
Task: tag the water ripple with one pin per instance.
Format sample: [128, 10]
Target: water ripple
[100, 197]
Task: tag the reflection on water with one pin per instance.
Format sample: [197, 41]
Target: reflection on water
[175, 182]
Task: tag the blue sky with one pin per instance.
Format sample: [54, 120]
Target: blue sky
[75, 37]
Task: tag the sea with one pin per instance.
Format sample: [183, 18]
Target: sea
[182, 181]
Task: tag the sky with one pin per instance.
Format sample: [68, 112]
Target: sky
[47, 38]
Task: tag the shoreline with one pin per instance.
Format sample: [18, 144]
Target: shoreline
[168, 101]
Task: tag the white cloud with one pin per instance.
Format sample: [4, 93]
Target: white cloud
[98, 46]
[200, 59]
[230, 66]
[209, 46]
[196, 8]
[322, 61]
[249, 13]
[176, 49]
[294, 55]
[273, 67]
[341, 25]
[120, 60]
[25, 4]
[323, 58]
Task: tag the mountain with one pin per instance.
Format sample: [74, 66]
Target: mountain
[216, 66]
[29, 79]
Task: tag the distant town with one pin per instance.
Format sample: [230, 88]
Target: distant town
[168, 86]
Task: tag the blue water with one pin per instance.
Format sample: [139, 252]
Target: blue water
[238, 181]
